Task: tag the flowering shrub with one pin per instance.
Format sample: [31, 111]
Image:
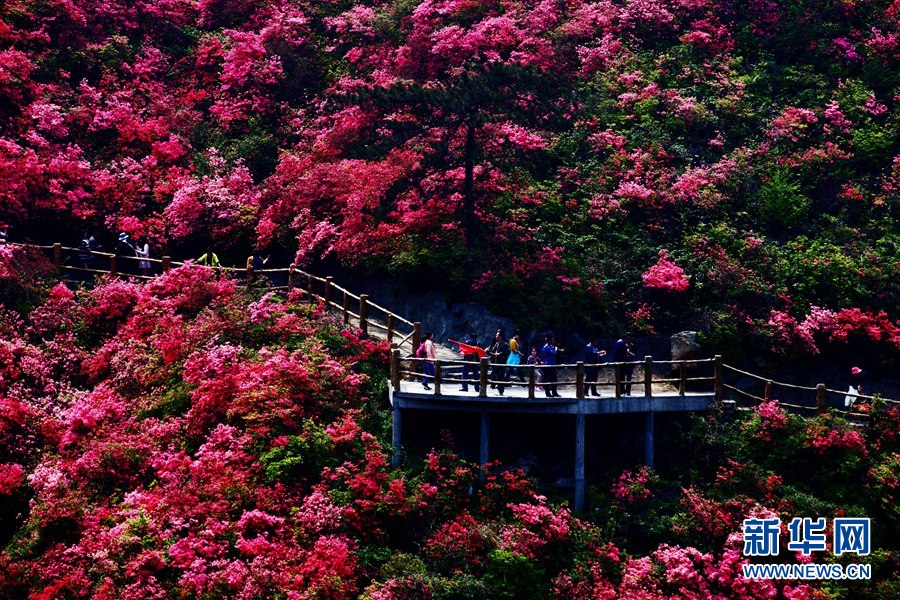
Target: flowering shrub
[665, 275]
[506, 146]
[246, 466]
[633, 487]
[179, 438]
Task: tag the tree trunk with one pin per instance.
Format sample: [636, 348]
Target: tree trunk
[469, 191]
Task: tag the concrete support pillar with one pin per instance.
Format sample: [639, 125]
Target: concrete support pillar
[649, 425]
[484, 449]
[579, 459]
[395, 434]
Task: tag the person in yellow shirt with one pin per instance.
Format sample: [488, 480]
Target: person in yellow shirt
[209, 259]
[515, 357]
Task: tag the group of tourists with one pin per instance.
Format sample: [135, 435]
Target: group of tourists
[507, 357]
[125, 246]
[139, 249]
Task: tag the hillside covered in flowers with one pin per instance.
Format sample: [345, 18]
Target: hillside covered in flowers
[726, 166]
[187, 438]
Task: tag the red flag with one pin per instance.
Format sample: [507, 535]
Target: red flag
[468, 348]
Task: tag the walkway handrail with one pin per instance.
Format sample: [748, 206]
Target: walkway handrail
[484, 367]
[364, 320]
[820, 391]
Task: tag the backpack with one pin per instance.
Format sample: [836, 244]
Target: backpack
[420, 353]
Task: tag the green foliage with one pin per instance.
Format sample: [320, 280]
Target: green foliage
[174, 400]
[303, 457]
[511, 575]
[781, 202]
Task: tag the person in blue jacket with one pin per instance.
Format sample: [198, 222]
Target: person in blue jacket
[549, 354]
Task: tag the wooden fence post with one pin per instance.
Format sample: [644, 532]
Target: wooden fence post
[57, 255]
[364, 313]
[768, 393]
[249, 274]
[579, 379]
[346, 307]
[531, 377]
[416, 337]
[309, 288]
[682, 383]
[292, 277]
[329, 283]
[718, 379]
[437, 378]
[166, 264]
[112, 264]
[648, 376]
[820, 398]
[617, 377]
[395, 368]
[483, 377]
[390, 327]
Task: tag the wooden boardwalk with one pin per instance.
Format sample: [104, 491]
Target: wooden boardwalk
[516, 400]
[691, 386]
[648, 395]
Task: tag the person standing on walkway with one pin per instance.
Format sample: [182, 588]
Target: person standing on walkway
[549, 354]
[85, 247]
[256, 261]
[125, 248]
[209, 258]
[142, 250]
[515, 357]
[593, 358]
[855, 388]
[470, 371]
[623, 352]
[535, 361]
[497, 352]
[427, 351]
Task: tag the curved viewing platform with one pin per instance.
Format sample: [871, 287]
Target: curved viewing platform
[618, 393]
[629, 387]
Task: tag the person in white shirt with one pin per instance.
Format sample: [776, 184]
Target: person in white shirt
[142, 250]
[428, 353]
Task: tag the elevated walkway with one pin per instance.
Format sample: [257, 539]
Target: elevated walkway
[693, 386]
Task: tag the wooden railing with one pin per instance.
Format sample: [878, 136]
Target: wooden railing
[820, 393]
[353, 308]
[370, 316]
[445, 373]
